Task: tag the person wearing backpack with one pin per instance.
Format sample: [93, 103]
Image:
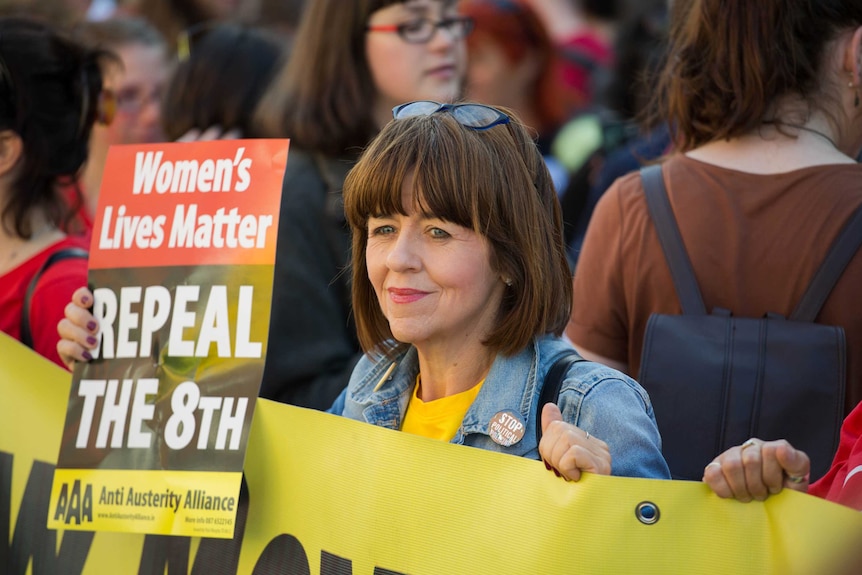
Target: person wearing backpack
[764, 98]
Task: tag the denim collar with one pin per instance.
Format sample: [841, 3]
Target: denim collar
[509, 386]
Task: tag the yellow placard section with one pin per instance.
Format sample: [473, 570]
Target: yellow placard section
[169, 502]
[331, 496]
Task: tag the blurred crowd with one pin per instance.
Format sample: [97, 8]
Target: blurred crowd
[737, 101]
[574, 71]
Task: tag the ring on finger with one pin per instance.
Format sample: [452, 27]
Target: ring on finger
[749, 443]
[797, 479]
[587, 436]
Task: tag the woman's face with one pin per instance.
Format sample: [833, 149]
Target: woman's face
[402, 71]
[494, 79]
[138, 87]
[433, 279]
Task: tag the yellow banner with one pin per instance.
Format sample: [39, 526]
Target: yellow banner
[331, 496]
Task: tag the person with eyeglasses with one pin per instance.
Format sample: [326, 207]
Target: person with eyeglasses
[50, 97]
[350, 63]
[461, 290]
[331, 97]
[136, 79]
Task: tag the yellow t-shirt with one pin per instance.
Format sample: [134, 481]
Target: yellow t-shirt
[438, 419]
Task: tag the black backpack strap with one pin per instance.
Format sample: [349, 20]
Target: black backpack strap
[666, 226]
[551, 387]
[58, 256]
[840, 254]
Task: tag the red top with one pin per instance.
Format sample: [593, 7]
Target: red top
[843, 482]
[53, 291]
[583, 54]
[82, 222]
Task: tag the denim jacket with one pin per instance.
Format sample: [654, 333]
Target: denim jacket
[604, 402]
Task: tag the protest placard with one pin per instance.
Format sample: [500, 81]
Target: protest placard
[181, 266]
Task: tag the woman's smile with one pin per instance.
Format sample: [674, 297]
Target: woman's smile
[405, 295]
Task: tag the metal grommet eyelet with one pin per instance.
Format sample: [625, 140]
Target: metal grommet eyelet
[647, 512]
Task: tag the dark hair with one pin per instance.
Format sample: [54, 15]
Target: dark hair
[119, 32]
[49, 96]
[323, 98]
[171, 17]
[281, 15]
[729, 61]
[492, 181]
[228, 70]
[517, 30]
[639, 48]
[604, 9]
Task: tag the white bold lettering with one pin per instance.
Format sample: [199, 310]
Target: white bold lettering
[146, 165]
[128, 321]
[215, 326]
[105, 310]
[177, 346]
[142, 411]
[91, 390]
[244, 347]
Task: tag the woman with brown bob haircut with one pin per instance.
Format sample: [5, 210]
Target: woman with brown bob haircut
[461, 290]
[350, 63]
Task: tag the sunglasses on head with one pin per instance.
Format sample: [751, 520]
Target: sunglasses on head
[473, 116]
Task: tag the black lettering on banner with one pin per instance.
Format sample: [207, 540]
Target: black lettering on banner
[221, 556]
[32, 538]
[76, 506]
[161, 554]
[5, 506]
[161, 551]
[283, 555]
[334, 565]
[214, 556]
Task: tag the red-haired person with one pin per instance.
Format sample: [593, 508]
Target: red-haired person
[513, 63]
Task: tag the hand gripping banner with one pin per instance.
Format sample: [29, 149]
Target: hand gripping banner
[330, 496]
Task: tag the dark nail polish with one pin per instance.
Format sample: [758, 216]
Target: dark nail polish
[547, 465]
[92, 340]
[557, 473]
[85, 300]
[91, 326]
[86, 355]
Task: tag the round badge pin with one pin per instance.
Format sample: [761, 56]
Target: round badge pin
[506, 428]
